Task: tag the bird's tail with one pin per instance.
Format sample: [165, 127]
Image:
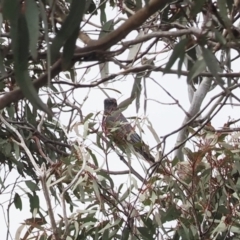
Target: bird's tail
[144, 151]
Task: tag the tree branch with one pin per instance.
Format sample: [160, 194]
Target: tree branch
[102, 44]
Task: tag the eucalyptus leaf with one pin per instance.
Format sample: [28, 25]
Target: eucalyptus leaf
[69, 26]
[178, 52]
[212, 64]
[198, 67]
[32, 18]
[17, 201]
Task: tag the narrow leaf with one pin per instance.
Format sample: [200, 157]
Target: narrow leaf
[104, 67]
[106, 28]
[32, 186]
[212, 64]
[34, 201]
[17, 201]
[137, 89]
[20, 43]
[178, 50]
[25, 83]
[198, 67]
[102, 6]
[219, 37]
[32, 18]
[68, 49]
[96, 190]
[134, 50]
[69, 26]
[11, 9]
[197, 7]
[223, 11]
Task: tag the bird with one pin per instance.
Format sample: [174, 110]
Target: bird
[119, 130]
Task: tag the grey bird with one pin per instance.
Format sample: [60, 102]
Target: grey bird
[119, 130]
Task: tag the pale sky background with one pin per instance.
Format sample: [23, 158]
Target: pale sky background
[164, 118]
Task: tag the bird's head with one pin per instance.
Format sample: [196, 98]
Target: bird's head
[110, 104]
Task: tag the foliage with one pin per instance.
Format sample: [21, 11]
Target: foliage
[47, 50]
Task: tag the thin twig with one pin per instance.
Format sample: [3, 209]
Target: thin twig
[45, 189]
[73, 182]
[22, 144]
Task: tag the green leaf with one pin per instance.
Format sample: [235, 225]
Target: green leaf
[32, 186]
[96, 190]
[219, 37]
[171, 214]
[8, 149]
[153, 131]
[223, 11]
[68, 49]
[183, 231]
[93, 157]
[125, 233]
[31, 115]
[26, 85]
[127, 193]
[198, 67]
[34, 201]
[11, 111]
[43, 237]
[16, 150]
[106, 28]
[11, 9]
[178, 51]
[134, 50]
[230, 5]
[71, 23]
[2, 68]
[20, 43]
[137, 89]
[17, 201]
[193, 54]
[138, 4]
[32, 18]
[105, 234]
[197, 7]
[87, 117]
[105, 175]
[148, 223]
[180, 63]
[2, 183]
[124, 104]
[113, 233]
[103, 18]
[212, 64]
[90, 7]
[20, 39]
[145, 233]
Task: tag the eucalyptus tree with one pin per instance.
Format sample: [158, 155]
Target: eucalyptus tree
[48, 49]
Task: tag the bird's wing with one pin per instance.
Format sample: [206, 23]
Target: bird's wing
[135, 139]
[121, 132]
